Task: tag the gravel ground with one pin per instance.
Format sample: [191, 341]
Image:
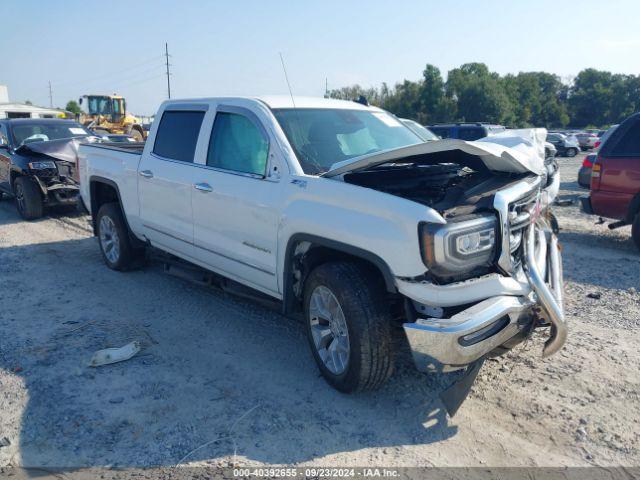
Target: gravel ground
[237, 377]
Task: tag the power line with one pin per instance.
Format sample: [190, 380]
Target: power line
[166, 53]
[109, 74]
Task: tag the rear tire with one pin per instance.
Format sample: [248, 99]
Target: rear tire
[28, 198]
[353, 347]
[635, 230]
[113, 237]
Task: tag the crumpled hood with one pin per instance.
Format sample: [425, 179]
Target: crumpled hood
[515, 151]
[65, 149]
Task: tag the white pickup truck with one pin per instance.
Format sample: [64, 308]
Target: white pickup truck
[343, 214]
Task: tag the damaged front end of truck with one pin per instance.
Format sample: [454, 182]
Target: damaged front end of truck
[493, 270]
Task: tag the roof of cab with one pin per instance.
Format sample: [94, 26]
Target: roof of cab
[285, 101]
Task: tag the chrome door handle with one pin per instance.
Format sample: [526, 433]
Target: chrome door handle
[146, 173]
[203, 187]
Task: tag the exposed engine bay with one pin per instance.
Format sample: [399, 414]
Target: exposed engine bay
[451, 182]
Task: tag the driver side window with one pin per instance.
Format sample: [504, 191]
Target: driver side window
[237, 144]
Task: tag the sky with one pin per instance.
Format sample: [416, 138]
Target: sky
[232, 47]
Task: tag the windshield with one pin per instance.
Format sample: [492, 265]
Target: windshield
[321, 137]
[423, 132]
[43, 132]
[99, 105]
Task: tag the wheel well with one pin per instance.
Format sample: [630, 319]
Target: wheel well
[634, 208]
[306, 253]
[101, 193]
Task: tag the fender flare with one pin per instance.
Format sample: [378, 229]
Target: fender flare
[93, 180]
[375, 260]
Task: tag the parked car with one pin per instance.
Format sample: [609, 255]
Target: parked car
[423, 132]
[586, 140]
[584, 174]
[567, 146]
[119, 138]
[615, 178]
[37, 163]
[465, 131]
[605, 135]
[348, 218]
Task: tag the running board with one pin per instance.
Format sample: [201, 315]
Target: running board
[184, 270]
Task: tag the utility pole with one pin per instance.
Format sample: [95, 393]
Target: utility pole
[166, 54]
[326, 87]
[50, 95]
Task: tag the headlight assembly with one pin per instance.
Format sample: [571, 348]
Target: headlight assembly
[45, 165]
[458, 246]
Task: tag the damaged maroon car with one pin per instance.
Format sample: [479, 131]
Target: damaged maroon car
[38, 163]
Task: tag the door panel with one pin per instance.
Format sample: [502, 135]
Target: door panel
[164, 190]
[5, 161]
[236, 226]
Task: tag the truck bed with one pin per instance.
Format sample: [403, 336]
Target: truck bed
[131, 147]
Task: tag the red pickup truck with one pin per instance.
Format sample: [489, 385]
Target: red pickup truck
[615, 178]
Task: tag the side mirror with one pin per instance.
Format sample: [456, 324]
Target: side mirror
[3, 143]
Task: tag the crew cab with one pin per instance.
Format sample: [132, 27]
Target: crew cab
[38, 163]
[615, 178]
[350, 220]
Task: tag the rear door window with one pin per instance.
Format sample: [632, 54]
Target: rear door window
[629, 144]
[177, 135]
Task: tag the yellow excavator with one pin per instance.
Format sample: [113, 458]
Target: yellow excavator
[105, 114]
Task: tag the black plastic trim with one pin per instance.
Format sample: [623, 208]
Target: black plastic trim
[288, 295]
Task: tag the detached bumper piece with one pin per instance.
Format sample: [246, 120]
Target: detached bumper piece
[445, 344]
[63, 194]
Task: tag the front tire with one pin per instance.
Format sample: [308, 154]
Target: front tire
[572, 152]
[113, 237]
[349, 326]
[28, 198]
[635, 230]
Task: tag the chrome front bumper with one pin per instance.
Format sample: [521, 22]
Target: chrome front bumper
[450, 343]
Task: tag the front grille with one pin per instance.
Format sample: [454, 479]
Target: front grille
[66, 169]
[520, 213]
[46, 172]
[515, 207]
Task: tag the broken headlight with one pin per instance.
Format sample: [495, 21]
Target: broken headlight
[45, 165]
[459, 246]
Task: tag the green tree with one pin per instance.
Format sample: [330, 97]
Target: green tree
[73, 107]
[479, 94]
[435, 105]
[404, 101]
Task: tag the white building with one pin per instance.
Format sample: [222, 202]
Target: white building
[22, 110]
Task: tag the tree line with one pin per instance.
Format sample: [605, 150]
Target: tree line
[472, 93]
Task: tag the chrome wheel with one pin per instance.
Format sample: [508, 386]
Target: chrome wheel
[329, 330]
[109, 240]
